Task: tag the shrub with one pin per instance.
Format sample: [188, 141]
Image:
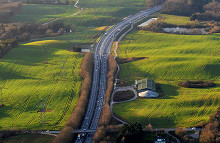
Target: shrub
[196, 84]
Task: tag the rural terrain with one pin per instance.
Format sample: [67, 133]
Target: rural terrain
[47, 82]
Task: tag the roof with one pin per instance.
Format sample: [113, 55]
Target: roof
[147, 22]
[145, 84]
[148, 93]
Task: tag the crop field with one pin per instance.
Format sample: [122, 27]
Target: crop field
[171, 59]
[39, 13]
[175, 19]
[36, 77]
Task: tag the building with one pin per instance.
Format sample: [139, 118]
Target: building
[145, 84]
[146, 88]
[160, 139]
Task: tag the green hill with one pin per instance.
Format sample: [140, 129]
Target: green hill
[171, 58]
[36, 75]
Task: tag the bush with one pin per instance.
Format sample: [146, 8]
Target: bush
[130, 133]
[196, 84]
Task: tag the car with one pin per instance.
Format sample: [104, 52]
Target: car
[84, 130]
[106, 34]
[78, 136]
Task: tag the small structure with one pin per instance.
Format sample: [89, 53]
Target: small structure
[160, 139]
[145, 84]
[146, 88]
[146, 23]
[148, 93]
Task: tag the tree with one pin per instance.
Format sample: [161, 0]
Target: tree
[180, 132]
[130, 133]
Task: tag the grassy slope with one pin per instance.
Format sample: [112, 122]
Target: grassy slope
[172, 58]
[30, 82]
[175, 20]
[97, 13]
[42, 13]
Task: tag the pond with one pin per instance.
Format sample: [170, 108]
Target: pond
[185, 30]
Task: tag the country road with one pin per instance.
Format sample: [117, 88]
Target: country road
[75, 5]
[98, 90]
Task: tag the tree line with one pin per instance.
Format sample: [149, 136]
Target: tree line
[9, 33]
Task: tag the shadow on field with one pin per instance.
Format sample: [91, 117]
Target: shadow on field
[169, 91]
[161, 122]
[3, 111]
[213, 70]
[10, 74]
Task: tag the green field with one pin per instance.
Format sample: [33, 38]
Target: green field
[39, 13]
[36, 74]
[97, 13]
[175, 20]
[171, 59]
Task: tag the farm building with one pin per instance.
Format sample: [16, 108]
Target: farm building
[146, 88]
[145, 84]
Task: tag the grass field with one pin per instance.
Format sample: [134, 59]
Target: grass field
[175, 20]
[26, 138]
[39, 13]
[172, 58]
[38, 74]
[42, 73]
[98, 13]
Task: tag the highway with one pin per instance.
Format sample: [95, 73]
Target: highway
[102, 49]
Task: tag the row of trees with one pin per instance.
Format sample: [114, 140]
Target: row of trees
[27, 31]
[7, 10]
[74, 121]
[18, 32]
